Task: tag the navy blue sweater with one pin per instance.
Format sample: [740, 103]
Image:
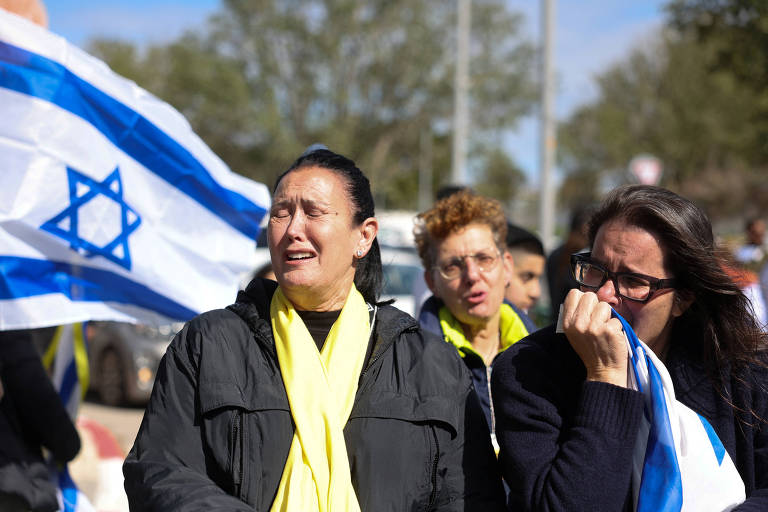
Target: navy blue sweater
[567, 444]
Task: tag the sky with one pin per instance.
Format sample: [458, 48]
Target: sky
[590, 35]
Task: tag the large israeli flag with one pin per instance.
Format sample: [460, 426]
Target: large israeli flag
[110, 206]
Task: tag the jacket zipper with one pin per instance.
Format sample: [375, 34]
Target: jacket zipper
[433, 496]
[237, 437]
[380, 353]
[494, 441]
[243, 488]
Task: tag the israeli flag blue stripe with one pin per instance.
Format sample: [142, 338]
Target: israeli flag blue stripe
[636, 354]
[69, 492]
[37, 76]
[661, 488]
[27, 277]
[717, 444]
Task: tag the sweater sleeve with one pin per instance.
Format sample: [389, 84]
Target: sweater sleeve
[166, 468]
[566, 444]
[757, 499]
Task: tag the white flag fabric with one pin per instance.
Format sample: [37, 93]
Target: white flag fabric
[680, 464]
[111, 208]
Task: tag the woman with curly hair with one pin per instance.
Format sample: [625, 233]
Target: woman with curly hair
[461, 242]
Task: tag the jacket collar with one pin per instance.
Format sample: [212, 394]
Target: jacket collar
[252, 306]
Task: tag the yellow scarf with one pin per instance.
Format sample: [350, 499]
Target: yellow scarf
[510, 324]
[321, 389]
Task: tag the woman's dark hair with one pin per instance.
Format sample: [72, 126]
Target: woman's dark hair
[368, 274]
[718, 328]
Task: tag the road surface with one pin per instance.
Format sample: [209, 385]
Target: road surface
[103, 429]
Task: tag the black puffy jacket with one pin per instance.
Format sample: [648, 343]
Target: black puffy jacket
[218, 427]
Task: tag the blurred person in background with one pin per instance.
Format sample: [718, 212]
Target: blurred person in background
[749, 283]
[461, 243]
[569, 426]
[752, 253]
[752, 257]
[558, 267]
[32, 418]
[307, 394]
[528, 260]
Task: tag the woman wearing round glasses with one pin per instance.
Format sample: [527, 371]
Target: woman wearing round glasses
[461, 242]
[567, 421]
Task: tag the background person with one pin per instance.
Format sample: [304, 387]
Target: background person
[528, 260]
[32, 417]
[419, 288]
[243, 417]
[566, 421]
[558, 267]
[749, 283]
[461, 243]
[752, 253]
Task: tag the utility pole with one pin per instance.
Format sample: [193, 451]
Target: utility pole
[425, 169]
[547, 135]
[461, 91]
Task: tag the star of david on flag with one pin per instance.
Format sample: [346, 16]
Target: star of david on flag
[111, 208]
[83, 190]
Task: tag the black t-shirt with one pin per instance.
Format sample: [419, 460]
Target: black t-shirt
[319, 324]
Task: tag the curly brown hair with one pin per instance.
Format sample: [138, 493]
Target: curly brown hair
[453, 213]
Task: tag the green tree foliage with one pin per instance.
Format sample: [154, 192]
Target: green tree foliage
[501, 177]
[266, 78]
[667, 100]
[736, 29]
[737, 32]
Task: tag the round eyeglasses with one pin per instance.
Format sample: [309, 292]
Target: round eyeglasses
[628, 285]
[453, 268]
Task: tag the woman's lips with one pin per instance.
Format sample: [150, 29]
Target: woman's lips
[476, 298]
[298, 257]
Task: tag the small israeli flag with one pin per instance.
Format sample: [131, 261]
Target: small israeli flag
[67, 360]
[680, 464]
[111, 208]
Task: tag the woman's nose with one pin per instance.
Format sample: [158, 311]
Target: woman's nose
[534, 291]
[295, 228]
[608, 292]
[471, 269]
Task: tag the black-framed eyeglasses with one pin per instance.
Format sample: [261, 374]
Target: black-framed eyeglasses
[452, 268]
[628, 285]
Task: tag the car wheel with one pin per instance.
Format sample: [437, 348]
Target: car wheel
[111, 381]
